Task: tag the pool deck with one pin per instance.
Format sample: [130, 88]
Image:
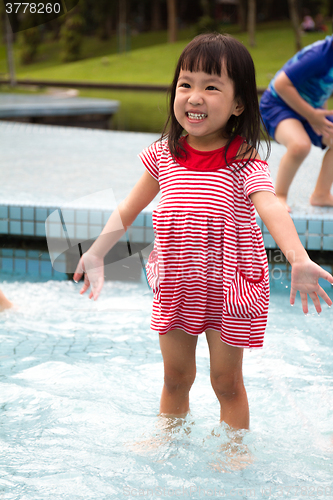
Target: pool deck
[86, 172]
[58, 108]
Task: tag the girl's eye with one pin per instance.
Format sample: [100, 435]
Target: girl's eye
[185, 85]
[211, 87]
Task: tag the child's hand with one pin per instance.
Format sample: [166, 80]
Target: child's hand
[93, 267]
[320, 124]
[304, 278]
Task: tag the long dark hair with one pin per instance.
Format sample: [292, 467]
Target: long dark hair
[208, 53]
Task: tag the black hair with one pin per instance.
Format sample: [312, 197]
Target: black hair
[208, 53]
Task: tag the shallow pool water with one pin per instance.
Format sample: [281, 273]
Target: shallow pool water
[79, 395]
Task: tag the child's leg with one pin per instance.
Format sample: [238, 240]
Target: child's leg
[292, 134]
[178, 351]
[227, 381]
[321, 195]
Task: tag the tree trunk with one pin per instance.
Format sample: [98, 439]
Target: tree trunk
[241, 15]
[251, 22]
[172, 21]
[10, 56]
[293, 12]
[156, 15]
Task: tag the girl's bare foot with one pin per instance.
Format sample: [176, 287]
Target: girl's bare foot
[321, 200]
[283, 200]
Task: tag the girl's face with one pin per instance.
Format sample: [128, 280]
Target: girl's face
[203, 105]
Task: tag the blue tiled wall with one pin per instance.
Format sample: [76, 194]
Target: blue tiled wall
[83, 224]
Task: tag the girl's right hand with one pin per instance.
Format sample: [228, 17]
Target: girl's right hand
[93, 269]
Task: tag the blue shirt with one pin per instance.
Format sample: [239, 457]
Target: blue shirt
[311, 72]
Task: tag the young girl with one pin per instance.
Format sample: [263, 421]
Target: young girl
[208, 269]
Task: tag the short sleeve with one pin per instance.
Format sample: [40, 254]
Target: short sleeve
[258, 179]
[150, 159]
[313, 61]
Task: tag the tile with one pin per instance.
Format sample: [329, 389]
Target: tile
[20, 266]
[4, 226]
[46, 269]
[33, 254]
[149, 220]
[28, 228]
[33, 267]
[40, 229]
[54, 231]
[68, 216]
[81, 216]
[20, 253]
[315, 226]
[7, 252]
[81, 232]
[41, 214]
[15, 213]
[314, 242]
[14, 227]
[300, 225]
[269, 241]
[70, 228]
[95, 217]
[4, 212]
[28, 213]
[94, 231]
[328, 243]
[149, 235]
[136, 234]
[139, 221]
[7, 264]
[106, 216]
[328, 227]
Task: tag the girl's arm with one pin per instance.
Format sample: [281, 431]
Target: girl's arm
[305, 273]
[315, 116]
[92, 261]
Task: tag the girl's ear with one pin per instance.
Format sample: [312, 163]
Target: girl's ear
[239, 108]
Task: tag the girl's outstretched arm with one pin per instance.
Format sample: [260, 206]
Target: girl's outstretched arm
[92, 261]
[305, 273]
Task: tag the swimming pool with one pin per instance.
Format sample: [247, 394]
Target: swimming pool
[80, 387]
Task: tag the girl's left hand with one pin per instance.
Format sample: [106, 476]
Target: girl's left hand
[304, 278]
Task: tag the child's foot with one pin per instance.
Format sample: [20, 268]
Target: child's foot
[321, 201]
[233, 459]
[283, 201]
[235, 454]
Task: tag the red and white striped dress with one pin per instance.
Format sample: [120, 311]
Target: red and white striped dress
[208, 268]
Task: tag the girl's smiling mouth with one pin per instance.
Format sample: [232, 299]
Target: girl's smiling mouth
[196, 116]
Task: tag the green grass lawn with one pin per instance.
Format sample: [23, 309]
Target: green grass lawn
[151, 60]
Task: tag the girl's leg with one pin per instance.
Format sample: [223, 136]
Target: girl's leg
[321, 195]
[178, 351]
[292, 134]
[227, 381]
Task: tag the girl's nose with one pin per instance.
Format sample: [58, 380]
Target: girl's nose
[195, 99]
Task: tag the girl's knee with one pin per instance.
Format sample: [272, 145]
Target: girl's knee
[178, 381]
[227, 386]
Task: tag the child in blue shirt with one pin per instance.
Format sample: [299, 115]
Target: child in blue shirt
[294, 111]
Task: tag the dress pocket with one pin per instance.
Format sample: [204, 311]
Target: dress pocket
[153, 273]
[247, 298]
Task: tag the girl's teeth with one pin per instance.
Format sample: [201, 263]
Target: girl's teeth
[196, 116]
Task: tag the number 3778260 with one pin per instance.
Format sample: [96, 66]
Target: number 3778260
[33, 8]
